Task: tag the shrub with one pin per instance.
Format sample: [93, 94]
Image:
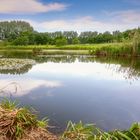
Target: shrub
[61, 41]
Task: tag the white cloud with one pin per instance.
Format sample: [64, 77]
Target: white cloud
[25, 86]
[125, 17]
[28, 6]
[116, 21]
[86, 69]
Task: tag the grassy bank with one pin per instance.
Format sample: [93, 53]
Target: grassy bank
[106, 49]
[21, 124]
[65, 47]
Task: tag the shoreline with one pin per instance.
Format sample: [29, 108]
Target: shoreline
[105, 49]
[22, 124]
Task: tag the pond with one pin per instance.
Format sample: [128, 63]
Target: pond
[103, 91]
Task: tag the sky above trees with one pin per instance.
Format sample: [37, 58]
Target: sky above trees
[77, 15]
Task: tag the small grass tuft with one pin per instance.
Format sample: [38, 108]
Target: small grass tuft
[7, 104]
[43, 123]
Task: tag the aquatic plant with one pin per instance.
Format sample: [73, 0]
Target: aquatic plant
[136, 43]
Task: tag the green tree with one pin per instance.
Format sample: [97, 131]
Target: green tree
[61, 41]
[22, 40]
[70, 35]
[136, 43]
[75, 41]
[88, 37]
[117, 36]
[42, 38]
[11, 30]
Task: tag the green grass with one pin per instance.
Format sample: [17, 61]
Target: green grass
[16, 122]
[65, 47]
[7, 104]
[106, 49]
[80, 131]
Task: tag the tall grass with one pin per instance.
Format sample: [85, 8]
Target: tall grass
[80, 131]
[19, 123]
[65, 47]
[109, 49]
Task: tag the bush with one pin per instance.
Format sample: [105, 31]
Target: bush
[61, 42]
[23, 40]
[75, 41]
[136, 43]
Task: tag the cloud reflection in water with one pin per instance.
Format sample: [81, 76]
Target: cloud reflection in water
[23, 87]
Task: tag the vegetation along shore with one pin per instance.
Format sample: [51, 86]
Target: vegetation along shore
[23, 36]
[18, 123]
[69, 69]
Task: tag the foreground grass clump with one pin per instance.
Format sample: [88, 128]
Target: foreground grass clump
[20, 124]
[80, 131]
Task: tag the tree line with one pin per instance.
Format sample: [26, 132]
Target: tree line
[22, 33]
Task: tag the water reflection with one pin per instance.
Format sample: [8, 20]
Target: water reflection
[130, 67]
[21, 87]
[94, 90]
[15, 66]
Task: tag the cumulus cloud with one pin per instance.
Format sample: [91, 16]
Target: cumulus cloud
[115, 20]
[28, 6]
[126, 17]
[120, 20]
[24, 86]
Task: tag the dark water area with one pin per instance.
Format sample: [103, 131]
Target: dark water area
[103, 91]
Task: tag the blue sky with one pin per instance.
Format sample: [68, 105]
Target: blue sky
[78, 15]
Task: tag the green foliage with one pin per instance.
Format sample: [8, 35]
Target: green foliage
[15, 122]
[80, 131]
[112, 50]
[61, 41]
[22, 40]
[43, 123]
[75, 41]
[136, 42]
[41, 38]
[20, 33]
[37, 50]
[7, 104]
[11, 30]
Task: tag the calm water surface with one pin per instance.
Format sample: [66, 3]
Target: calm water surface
[103, 91]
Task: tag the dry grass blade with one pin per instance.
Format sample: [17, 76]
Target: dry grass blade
[21, 124]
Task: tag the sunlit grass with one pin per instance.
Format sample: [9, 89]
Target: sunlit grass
[115, 49]
[17, 123]
[65, 47]
[80, 131]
